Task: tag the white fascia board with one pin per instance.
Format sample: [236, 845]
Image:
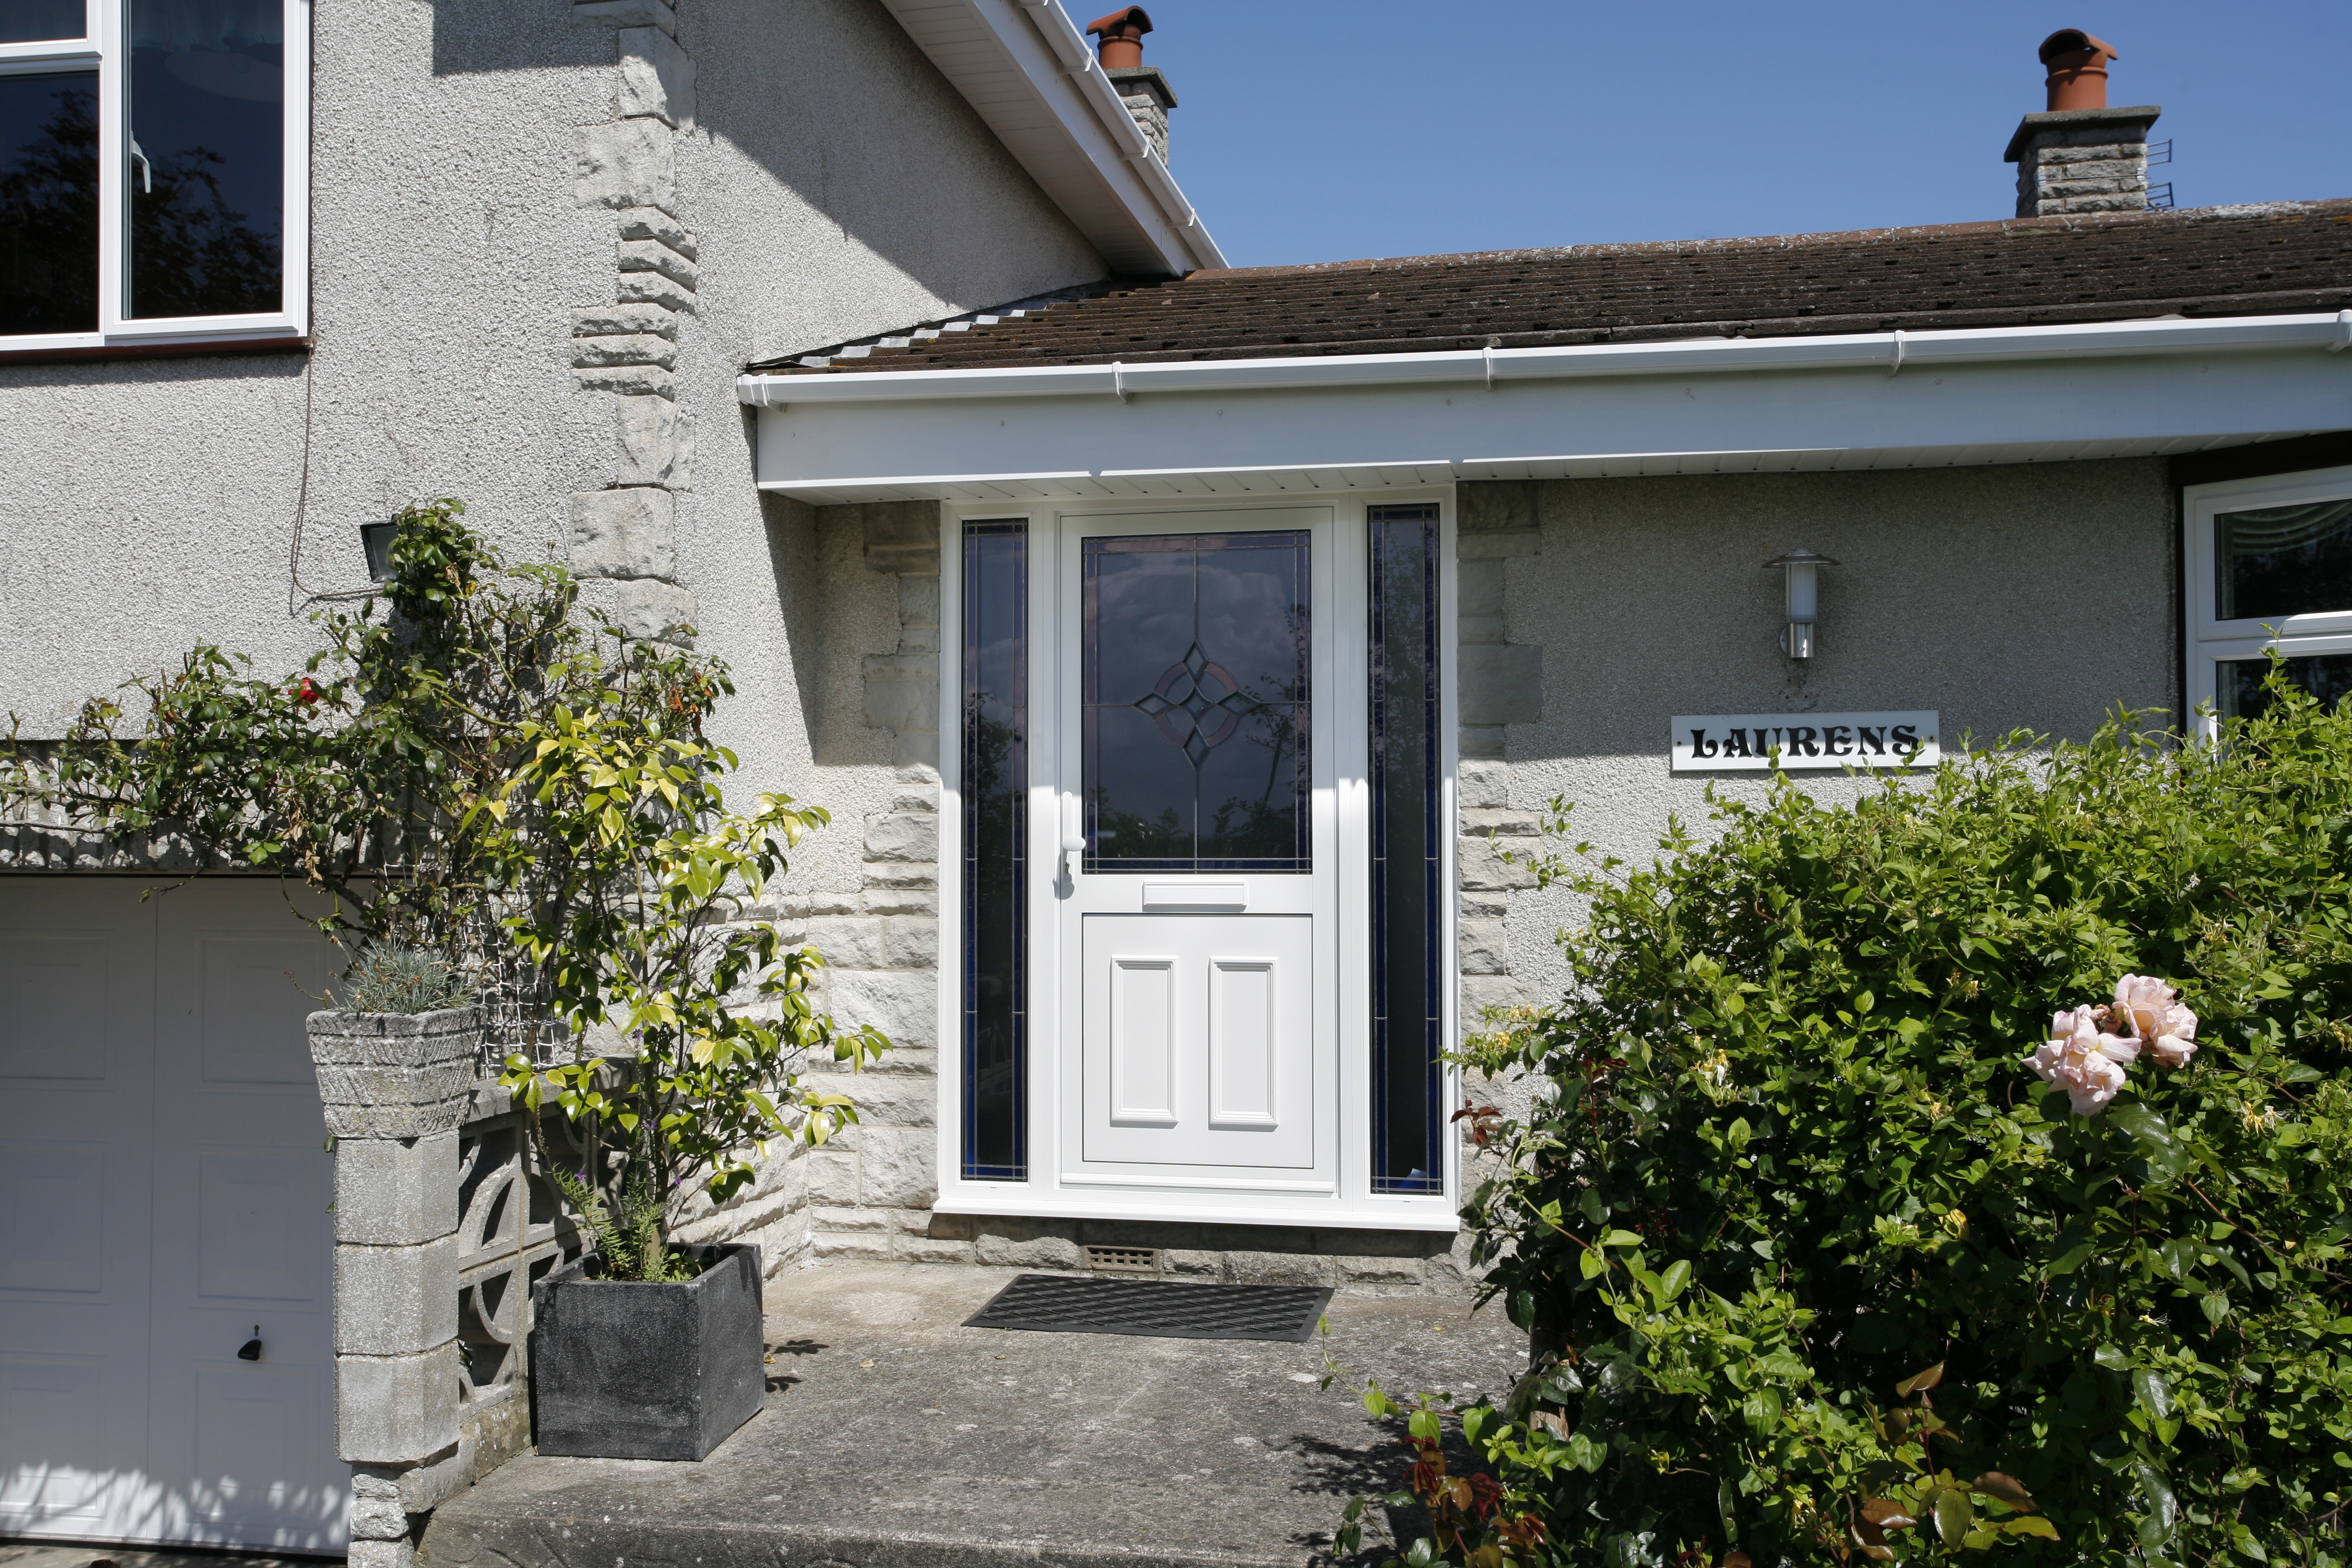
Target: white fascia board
[1027, 71]
[1895, 354]
[2036, 389]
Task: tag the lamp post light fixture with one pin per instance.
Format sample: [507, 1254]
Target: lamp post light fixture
[1803, 583]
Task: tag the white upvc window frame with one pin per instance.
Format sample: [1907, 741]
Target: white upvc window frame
[2212, 641]
[1044, 1195]
[103, 47]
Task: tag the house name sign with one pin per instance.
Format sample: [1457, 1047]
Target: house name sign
[1745, 742]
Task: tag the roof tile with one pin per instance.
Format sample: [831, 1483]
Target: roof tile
[2279, 256]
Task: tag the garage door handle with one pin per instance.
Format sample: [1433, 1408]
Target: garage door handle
[251, 1349]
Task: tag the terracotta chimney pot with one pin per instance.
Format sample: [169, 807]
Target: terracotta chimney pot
[1121, 40]
[2077, 64]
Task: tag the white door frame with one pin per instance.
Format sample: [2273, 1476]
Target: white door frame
[1351, 1204]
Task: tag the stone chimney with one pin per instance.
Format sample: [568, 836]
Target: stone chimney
[1119, 47]
[2079, 156]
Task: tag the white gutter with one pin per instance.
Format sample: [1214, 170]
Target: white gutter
[1077, 61]
[1902, 352]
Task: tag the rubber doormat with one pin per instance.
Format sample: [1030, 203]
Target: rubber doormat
[1051, 1304]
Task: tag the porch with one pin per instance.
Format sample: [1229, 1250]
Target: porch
[894, 1436]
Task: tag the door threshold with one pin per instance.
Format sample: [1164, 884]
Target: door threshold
[1428, 1216]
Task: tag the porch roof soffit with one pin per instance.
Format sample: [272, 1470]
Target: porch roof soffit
[1896, 399]
[1028, 72]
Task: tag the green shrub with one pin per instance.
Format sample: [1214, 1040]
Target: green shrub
[1833, 1275]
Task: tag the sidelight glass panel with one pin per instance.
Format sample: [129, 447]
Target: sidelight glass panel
[2327, 676]
[1196, 703]
[1408, 973]
[48, 203]
[2284, 561]
[995, 766]
[39, 21]
[207, 157]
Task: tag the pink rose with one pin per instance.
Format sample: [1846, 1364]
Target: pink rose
[2087, 1063]
[2152, 1011]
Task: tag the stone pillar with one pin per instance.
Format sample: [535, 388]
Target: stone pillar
[396, 1359]
[1497, 683]
[871, 1188]
[394, 1087]
[2082, 161]
[626, 534]
[1148, 98]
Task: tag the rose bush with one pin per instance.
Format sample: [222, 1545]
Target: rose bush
[1826, 1269]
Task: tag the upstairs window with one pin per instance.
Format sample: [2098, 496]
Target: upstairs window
[152, 170]
[2270, 565]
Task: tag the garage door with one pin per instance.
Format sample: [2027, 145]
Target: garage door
[163, 1201]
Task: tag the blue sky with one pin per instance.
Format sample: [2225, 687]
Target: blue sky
[1328, 131]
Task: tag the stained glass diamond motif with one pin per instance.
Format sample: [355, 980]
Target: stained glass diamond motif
[1181, 706]
[1198, 642]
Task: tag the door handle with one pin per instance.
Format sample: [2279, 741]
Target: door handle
[1072, 844]
[251, 1349]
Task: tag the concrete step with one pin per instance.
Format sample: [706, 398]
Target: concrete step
[895, 1437]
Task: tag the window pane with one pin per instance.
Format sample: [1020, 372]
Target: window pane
[1195, 754]
[2327, 676]
[995, 900]
[2284, 561]
[48, 203]
[37, 21]
[1408, 1020]
[207, 157]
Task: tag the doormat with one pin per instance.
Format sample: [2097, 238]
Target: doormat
[1051, 1304]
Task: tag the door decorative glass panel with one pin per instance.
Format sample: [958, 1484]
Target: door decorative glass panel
[1408, 988]
[996, 763]
[1196, 703]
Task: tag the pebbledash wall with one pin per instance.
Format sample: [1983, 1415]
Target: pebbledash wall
[2037, 596]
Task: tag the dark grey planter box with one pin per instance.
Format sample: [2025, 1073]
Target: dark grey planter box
[627, 1371]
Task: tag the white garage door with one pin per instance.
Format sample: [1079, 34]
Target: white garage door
[164, 1200]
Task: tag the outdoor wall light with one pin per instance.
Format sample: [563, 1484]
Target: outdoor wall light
[375, 538]
[1803, 585]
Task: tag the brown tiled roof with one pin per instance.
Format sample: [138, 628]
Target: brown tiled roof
[2283, 256]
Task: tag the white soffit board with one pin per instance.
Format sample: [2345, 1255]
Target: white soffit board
[1719, 406]
[1027, 70]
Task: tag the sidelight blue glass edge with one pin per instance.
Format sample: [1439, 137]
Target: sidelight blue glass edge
[994, 1132]
[1419, 1168]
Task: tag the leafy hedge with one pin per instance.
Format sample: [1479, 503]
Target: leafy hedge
[1834, 1275]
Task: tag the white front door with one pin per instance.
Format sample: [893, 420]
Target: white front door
[165, 1201]
[1190, 870]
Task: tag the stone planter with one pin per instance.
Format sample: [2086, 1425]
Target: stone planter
[626, 1371]
[395, 1075]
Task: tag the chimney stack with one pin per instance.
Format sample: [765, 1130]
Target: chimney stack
[1119, 45]
[2079, 156]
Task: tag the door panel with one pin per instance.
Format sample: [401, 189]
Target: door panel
[1199, 1034]
[1197, 894]
[163, 1187]
[243, 1451]
[76, 1042]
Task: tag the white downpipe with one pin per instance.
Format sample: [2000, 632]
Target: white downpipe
[1496, 367]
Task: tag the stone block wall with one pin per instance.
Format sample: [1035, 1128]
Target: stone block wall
[1497, 683]
[871, 1189]
[624, 536]
[2082, 161]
